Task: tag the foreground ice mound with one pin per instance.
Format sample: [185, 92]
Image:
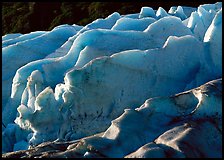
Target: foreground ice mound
[184, 125]
[78, 79]
[178, 124]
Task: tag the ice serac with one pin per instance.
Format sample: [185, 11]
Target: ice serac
[44, 125]
[90, 45]
[200, 20]
[213, 37]
[215, 7]
[27, 51]
[147, 12]
[48, 66]
[160, 13]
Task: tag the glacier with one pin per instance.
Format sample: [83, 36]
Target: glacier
[74, 82]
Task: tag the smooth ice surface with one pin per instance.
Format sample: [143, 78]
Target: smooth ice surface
[10, 36]
[76, 81]
[124, 24]
[22, 38]
[22, 145]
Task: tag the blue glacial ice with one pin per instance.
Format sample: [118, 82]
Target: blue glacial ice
[10, 36]
[22, 38]
[29, 50]
[74, 81]
[92, 41]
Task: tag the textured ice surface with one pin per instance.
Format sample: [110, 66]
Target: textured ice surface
[90, 45]
[30, 50]
[180, 131]
[165, 127]
[178, 12]
[74, 81]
